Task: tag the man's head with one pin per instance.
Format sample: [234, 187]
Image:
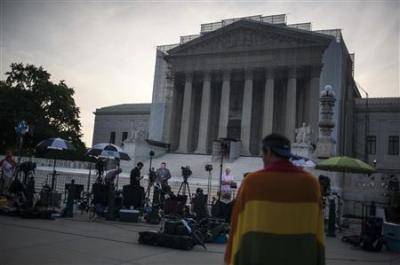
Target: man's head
[9, 154]
[275, 147]
[139, 165]
[227, 171]
[163, 165]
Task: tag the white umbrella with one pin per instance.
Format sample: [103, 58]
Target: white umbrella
[109, 151]
[54, 144]
[106, 150]
[302, 162]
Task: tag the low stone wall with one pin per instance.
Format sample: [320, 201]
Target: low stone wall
[64, 176]
[44, 162]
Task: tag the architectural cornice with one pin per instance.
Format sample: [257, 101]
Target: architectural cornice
[377, 104]
[125, 109]
[106, 113]
[246, 34]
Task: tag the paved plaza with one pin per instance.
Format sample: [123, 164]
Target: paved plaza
[78, 241]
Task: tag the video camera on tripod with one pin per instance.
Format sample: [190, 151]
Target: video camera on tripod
[186, 172]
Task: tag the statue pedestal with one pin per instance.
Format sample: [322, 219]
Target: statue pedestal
[302, 149]
[139, 149]
[325, 147]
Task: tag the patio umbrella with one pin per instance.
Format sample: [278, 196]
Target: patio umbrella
[106, 150]
[54, 144]
[345, 164]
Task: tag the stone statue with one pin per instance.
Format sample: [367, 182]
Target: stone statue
[137, 134]
[303, 134]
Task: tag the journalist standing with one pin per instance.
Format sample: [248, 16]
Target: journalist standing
[163, 175]
[7, 170]
[135, 174]
[226, 185]
[277, 217]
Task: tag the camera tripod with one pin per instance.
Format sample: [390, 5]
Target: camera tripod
[184, 187]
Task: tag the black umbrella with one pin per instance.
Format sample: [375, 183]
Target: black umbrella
[54, 144]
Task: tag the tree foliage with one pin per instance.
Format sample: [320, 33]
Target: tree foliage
[49, 108]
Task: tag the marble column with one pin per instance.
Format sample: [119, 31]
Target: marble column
[314, 95]
[290, 124]
[268, 116]
[224, 107]
[204, 115]
[246, 112]
[186, 115]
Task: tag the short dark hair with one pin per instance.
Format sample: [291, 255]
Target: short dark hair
[278, 144]
[140, 164]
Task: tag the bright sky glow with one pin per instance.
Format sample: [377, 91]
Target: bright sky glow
[105, 50]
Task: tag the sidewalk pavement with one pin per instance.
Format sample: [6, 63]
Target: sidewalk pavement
[78, 241]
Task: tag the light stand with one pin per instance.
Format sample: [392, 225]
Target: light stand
[21, 129]
[53, 175]
[90, 174]
[209, 169]
[88, 182]
[151, 154]
[223, 147]
[118, 166]
[150, 182]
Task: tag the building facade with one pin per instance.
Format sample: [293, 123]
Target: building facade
[119, 123]
[376, 141]
[377, 133]
[243, 79]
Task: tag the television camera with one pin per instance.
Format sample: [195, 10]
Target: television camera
[208, 167]
[186, 172]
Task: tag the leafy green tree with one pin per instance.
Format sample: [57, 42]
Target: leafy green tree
[28, 94]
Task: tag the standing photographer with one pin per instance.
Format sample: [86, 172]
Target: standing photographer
[135, 174]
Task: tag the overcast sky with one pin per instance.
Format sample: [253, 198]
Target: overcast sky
[105, 50]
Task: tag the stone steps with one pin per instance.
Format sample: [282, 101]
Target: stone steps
[197, 165]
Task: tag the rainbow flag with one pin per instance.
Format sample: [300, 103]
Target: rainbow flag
[277, 219]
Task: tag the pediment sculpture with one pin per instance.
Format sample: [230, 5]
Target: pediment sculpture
[241, 39]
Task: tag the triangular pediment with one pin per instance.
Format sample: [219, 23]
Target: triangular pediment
[245, 35]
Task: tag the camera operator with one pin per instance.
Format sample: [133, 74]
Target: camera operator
[100, 165]
[135, 174]
[199, 204]
[111, 175]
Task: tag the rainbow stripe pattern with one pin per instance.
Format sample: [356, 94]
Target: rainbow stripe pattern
[277, 219]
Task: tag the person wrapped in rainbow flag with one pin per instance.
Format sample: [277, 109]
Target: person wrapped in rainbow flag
[277, 217]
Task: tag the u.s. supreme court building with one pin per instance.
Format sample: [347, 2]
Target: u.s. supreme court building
[241, 79]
